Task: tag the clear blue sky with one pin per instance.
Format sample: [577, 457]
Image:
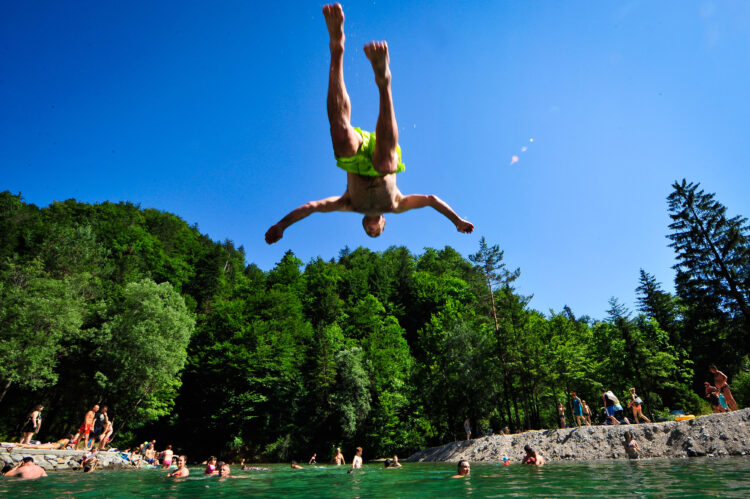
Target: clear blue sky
[215, 111]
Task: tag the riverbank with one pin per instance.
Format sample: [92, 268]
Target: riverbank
[54, 460]
[725, 434]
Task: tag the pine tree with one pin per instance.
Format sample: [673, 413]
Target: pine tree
[713, 256]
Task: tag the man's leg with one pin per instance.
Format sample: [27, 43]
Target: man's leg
[385, 158]
[346, 140]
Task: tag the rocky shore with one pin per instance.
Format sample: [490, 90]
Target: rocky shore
[53, 460]
[725, 434]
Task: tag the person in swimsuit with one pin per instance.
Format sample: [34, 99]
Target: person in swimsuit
[561, 415]
[166, 457]
[467, 428]
[712, 394]
[631, 446]
[464, 470]
[313, 459]
[371, 164]
[532, 457]
[636, 405]
[338, 459]
[32, 425]
[578, 410]
[586, 412]
[357, 459]
[86, 427]
[721, 382]
[182, 470]
[210, 467]
[296, 466]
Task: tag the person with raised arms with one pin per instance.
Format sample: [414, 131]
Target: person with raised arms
[371, 164]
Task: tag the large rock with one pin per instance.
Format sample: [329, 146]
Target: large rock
[724, 434]
[61, 459]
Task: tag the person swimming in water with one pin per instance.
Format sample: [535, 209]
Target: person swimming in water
[464, 469]
[371, 164]
[532, 457]
[631, 446]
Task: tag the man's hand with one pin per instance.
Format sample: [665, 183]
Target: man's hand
[463, 226]
[274, 234]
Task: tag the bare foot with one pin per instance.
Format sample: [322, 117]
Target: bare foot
[377, 52]
[334, 15]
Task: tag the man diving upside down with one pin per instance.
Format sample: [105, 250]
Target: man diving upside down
[371, 165]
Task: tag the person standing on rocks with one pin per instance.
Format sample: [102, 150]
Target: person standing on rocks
[586, 412]
[561, 415]
[578, 410]
[721, 382]
[87, 427]
[32, 425]
[467, 428]
[636, 404]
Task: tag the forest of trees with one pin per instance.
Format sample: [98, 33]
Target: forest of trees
[188, 343]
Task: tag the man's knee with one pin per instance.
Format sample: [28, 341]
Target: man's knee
[385, 162]
[345, 140]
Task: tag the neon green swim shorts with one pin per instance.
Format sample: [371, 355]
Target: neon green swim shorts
[361, 163]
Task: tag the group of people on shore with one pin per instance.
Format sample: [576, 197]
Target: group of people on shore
[94, 433]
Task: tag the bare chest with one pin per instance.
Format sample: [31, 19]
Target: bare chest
[372, 195]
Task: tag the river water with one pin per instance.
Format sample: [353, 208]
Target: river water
[697, 477]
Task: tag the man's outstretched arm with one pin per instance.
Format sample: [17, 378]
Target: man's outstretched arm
[414, 201]
[334, 203]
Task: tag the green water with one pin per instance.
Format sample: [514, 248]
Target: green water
[726, 477]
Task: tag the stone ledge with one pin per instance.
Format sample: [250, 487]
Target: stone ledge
[52, 460]
[726, 434]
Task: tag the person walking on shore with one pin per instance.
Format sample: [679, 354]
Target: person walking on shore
[636, 404]
[611, 405]
[721, 382]
[467, 428]
[32, 425]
